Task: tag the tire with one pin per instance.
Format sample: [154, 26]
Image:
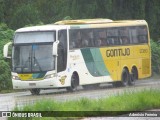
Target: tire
[74, 83]
[35, 91]
[125, 77]
[133, 76]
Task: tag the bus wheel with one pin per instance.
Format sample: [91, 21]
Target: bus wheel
[74, 83]
[35, 91]
[133, 76]
[125, 77]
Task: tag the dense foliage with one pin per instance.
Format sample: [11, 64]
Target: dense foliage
[19, 13]
[6, 35]
[155, 49]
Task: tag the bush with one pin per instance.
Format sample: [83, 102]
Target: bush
[155, 50]
[6, 35]
[5, 76]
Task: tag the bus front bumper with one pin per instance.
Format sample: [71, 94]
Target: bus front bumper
[46, 83]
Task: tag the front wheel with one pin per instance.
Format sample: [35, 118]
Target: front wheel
[74, 83]
[35, 91]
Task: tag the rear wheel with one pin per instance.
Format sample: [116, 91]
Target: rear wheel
[125, 77]
[35, 91]
[133, 76]
[74, 83]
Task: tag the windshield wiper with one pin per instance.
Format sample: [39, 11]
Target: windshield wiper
[36, 61]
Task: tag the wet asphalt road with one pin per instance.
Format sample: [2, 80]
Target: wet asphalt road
[10, 100]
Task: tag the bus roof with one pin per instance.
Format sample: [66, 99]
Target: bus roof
[83, 23]
[96, 21]
[50, 27]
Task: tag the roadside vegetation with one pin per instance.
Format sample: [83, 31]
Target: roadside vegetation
[155, 51]
[6, 35]
[126, 103]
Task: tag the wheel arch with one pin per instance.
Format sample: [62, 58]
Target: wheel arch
[126, 68]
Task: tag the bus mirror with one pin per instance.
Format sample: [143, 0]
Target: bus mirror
[55, 48]
[6, 51]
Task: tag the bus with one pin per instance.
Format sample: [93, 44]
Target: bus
[85, 52]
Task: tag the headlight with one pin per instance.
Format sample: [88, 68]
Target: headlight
[50, 76]
[15, 77]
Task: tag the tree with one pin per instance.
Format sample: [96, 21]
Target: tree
[5, 76]
[25, 14]
[2, 11]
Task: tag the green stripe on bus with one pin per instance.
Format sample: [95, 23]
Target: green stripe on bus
[89, 61]
[38, 75]
[94, 62]
[99, 63]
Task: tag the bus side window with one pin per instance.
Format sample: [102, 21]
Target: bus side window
[112, 36]
[78, 39]
[91, 36]
[125, 40]
[110, 41]
[133, 34]
[85, 38]
[116, 41]
[142, 39]
[142, 34]
[124, 35]
[72, 39]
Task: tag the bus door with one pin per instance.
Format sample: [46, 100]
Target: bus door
[62, 51]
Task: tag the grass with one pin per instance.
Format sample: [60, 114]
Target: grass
[128, 101]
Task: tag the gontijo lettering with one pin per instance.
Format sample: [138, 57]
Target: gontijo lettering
[118, 52]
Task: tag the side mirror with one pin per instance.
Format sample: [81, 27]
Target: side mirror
[55, 48]
[6, 50]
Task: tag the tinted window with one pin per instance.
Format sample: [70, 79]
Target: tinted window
[142, 34]
[139, 34]
[124, 35]
[112, 36]
[99, 37]
[62, 50]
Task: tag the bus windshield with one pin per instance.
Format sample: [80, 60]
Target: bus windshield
[33, 58]
[32, 52]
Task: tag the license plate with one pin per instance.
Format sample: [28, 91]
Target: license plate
[32, 84]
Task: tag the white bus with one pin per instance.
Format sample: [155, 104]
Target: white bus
[80, 52]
